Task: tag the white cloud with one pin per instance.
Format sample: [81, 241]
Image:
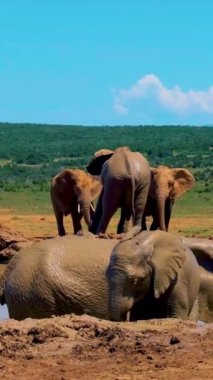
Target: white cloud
[150, 88]
[120, 109]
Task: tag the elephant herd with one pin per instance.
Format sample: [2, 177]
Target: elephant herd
[143, 275]
[119, 179]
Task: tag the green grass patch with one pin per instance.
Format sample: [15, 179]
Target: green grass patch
[195, 202]
[26, 202]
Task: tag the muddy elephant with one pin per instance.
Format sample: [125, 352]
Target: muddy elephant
[67, 275]
[125, 177]
[58, 276]
[72, 192]
[165, 186]
[203, 251]
[154, 275]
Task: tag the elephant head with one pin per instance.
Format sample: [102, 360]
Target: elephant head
[142, 263]
[94, 166]
[166, 185]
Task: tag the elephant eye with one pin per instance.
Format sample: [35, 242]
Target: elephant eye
[137, 282]
[171, 183]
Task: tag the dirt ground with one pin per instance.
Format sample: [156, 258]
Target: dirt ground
[83, 347]
[41, 226]
[72, 347]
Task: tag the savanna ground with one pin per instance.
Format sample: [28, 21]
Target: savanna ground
[82, 347]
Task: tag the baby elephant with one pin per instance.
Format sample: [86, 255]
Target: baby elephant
[72, 192]
[153, 275]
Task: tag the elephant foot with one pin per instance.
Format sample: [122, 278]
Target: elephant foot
[80, 233]
[110, 235]
[102, 236]
[116, 236]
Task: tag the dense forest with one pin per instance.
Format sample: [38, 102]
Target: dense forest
[31, 154]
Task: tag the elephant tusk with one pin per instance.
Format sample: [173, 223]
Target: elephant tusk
[92, 207]
[128, 316]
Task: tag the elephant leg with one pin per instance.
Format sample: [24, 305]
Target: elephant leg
[76, 217]
[124, 221]
[143, 224]
[168, 211]
[195, 311]
[110, 202]
[97, 215]
[126, 210]
[154, 225]
[60, 224]
[140, 200]
[154, 213]
[178, 302]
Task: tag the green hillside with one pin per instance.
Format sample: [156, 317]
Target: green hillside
[31, 154]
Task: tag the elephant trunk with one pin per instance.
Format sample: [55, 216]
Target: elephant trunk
[119, 305]
[161, 199]
[85, 206]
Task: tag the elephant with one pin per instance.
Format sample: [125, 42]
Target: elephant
[125, 176]
[69, 190]
[203, 251]
[165, 186]
[66, 275]
[58, 276]
[154, 275]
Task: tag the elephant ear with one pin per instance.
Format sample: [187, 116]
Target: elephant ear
[203, 251]
[94, 167]
[167, 259]
[184, 180]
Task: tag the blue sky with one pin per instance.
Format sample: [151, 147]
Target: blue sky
[106, 62]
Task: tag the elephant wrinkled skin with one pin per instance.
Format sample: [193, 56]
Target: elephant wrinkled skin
[165, 186]
[203, 251]
[153, 274]
[71, 189]
[125, 177]
[58, 276]
[67, 275]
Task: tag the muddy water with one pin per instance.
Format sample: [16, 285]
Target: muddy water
[3, 309]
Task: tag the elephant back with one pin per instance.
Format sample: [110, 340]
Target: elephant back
[58, 276]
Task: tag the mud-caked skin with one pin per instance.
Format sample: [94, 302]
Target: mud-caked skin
[203, 251]
[154, 274]
[59, 276]
[67, 275]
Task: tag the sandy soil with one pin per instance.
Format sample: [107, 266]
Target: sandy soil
[40, 226]
[72, 347]
[83, 347]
